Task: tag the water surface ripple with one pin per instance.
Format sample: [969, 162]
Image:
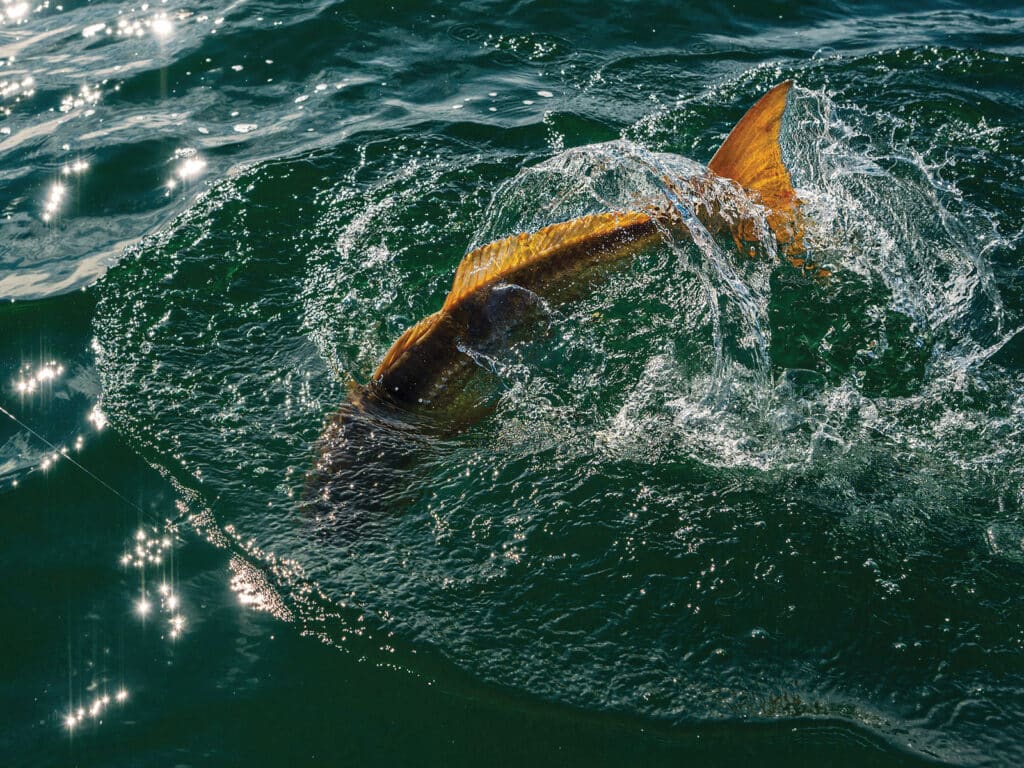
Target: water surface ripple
[714, 495]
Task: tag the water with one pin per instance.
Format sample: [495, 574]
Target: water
[721, 510]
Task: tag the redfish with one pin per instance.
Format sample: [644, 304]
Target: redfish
[423, 377]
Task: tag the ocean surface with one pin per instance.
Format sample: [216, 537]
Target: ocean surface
[719, 509]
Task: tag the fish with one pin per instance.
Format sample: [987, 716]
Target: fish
[428, 379]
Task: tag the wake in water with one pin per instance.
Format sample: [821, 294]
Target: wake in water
[638, 511]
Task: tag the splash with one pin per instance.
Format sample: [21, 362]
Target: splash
[702, 480]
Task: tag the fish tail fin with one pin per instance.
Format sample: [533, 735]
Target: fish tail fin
[752, 157]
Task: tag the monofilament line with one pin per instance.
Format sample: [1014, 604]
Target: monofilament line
[54, 448]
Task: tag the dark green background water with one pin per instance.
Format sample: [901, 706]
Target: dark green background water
[721, 512]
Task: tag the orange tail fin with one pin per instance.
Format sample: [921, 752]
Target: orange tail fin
[752, 157]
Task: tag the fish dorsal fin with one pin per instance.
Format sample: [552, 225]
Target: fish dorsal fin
[752, 157]
[407, 341]
[499, 261]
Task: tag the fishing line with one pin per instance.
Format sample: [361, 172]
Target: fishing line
[57, 450]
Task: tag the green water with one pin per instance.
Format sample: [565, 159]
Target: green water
[719, 511]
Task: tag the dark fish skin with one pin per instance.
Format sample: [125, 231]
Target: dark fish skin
[437, 386]
[364, 458]
[374, 438]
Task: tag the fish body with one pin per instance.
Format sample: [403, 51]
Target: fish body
[425, 376]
